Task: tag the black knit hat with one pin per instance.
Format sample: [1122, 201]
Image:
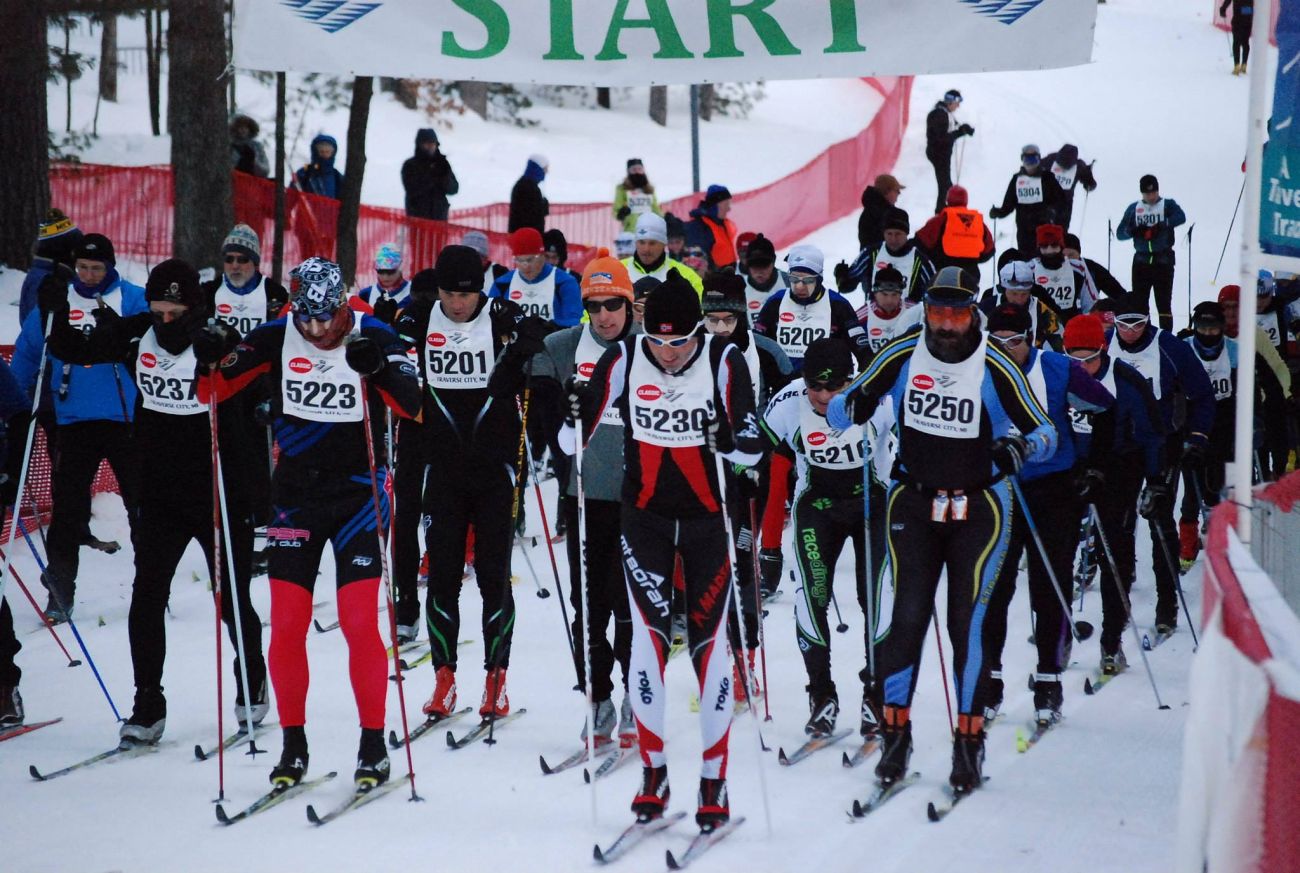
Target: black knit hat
[723, 292]
[897, 219]
[1148, 183]
[424, 285]
[554, 243]
[96, 247]
[827, 359]
[1209, 313]
[888, 279]
[1010, 317]
[642, 287]
[174, 281]
[676, 227]
[459, 268]
[761, 252]
[672, 309]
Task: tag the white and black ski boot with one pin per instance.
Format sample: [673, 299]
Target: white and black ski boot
[895, 744]
[714, 808]
[372, 760]
[824, 710]
[11, 707]
[652, 798]
[293, 760]
[148, 718]
[1048, 697]
[603, 719]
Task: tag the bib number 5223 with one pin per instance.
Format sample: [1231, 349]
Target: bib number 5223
[321, 395]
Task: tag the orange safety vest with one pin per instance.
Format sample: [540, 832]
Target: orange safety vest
[963, 232]
[724, 241]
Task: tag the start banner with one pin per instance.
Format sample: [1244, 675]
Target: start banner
[659, 42]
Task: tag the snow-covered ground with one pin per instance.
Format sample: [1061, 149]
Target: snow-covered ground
[1098, 794]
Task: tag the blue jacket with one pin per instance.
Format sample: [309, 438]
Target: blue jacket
[1160, 248]
[1139, 423]
[80, 393]
[1067, 386]
[1183, 386]
[567, 309]
[401, 294]
[320, 177]
[41, 267]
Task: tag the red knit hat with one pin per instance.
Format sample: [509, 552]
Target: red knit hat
[1230, 294]
[525, 241]
[1050, 235]
[957, 196]
[1084, 332]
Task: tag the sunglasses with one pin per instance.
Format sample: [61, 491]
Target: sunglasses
[521, 260]
[1083, 359]
[675, 343]
[613, 304]
[1132, 322]
[830, 385]
[388, 272]
[304, 317]
[238, 259]
[720, 320]
[805, 280]
[1014, 341]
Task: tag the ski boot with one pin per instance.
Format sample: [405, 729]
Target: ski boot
[1113, 663]
[870, 723]
[627, 735]
[372, 761]
[1048, 697]
[148, 718]
[895, 744]
[11, 707]
[406, 633]
[967, 754]
[495, 702]
[823, 710]
[58, 608]
[713, 809]
[603, 721]
[994, 696]
[1189, 544]
[293, 759]
[443, 701]
[261, 704]
[652, 799]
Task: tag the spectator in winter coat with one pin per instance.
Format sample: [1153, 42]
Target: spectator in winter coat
[1243, 19]
[528, 208]
[246, 153]
[652, 257]
[319, 176]
[1034, 196]
[634, 196]
[556, 250]
[711, 229]
[1150, 223]
[1069, 172]
[57, 237]
[941, 132]
[958, 236]
[877, 200]
[675, 229]
[428, 178]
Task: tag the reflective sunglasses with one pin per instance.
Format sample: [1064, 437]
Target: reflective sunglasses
[304, 317]
[1132, 322]
[238, 259]
[676, 343]
[1089, 354]
[613, 304]
[1015, 341]
[943, 317]
[388, 272]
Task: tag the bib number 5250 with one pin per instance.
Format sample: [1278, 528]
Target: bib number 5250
[321, 395]
[939, 407]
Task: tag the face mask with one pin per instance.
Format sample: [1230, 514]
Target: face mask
[1052, 261]
[173, 336]
[638, 180]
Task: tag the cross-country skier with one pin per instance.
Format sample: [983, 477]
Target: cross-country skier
[176, 499]
[956, 399]
[897, 251]
[683, 397]
[321, 490]
[1150, 223]
[1033, 195]
[1015, 286]
[391, 292]
[888, 315]
[762, 278]
[808, 310]
[537, 287]
[1059, 282]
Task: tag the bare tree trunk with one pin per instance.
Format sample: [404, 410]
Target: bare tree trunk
[24, 136]
[202, 212]
[474, 95]
[353, 175]
[277, 265]
[602, 98]
[659, 104]
[153, 61]
[706, 102]
[108, 60]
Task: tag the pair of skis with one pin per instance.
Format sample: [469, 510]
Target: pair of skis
[277, 795]
[707, 838]
[611, 757]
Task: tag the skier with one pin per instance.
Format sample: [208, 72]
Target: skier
[1150, 223]
[1243, 19]
[1033, 195]
[889, 315]
[955, 398]
[1098, 276]
[1056, 491]
[538, 288]
[1136, 455]
[478, 241]
[896, 251]
[57, 237]
[652, 257]
[92, 405]
[808, 310]
[1069, 172]
[1186, 401]
[634, 196]
[762, 278]
[572, 353]
[391, 292]
[471, 350]
[1060, 283]
[1015, 287]
[317, 358]
[828, 513]
[557, 252]
[683, 397]
[1271, 453]
[941, 132]
[957, 236]
[15, 411]
[175, 499]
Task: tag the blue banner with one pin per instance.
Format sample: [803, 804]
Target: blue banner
[1279, 218]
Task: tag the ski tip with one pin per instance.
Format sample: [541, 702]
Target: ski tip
[670, 860]
[597, 855]
[394, 742]
[845, 760]
[312, 816]
[931, 812]
[36, 774]
[857, 811]
[1164, 706]
[586, 776]
[781, 756]
[546, 768]
[451, 740]
[222, 818]
[1087, 687]
[199, 754]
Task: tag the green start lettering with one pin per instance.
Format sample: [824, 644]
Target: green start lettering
[493, 18]
[722, 33]
[660, 21]
[844, 27]
[562, 47]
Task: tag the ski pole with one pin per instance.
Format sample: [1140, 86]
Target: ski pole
[720, 469]
[532, 571]
[585, 583]
[1178, 585]
[1189, 269]
[1124, 599]
[943, 671]
[71, 624]
[388, 584]
[758, 605]
[72, 662]
[870, 581]
[1081, 629]
[1110, 235]
[841, 627]
[1228, 235]
[117, 375]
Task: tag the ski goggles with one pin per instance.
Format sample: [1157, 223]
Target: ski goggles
[949, 316]
[1084, 355]
[1131, 321]
[671, 343]
[1015, 341]
[612, 304]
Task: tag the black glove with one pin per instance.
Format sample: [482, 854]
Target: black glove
[1153, 500]
[364, 355]
[262, 414]
[385, 309]
[1009, 453]
[1090, 186]
[16, 445]
[1090, 484]
[966, 130]
[769, 567]
[717, 436]
[105, 315]
[530, 333]
[841, 275]
[575, 394]
[214, 342]
[1193, 454]
[623, 212]
[995, 212]
[52, 295]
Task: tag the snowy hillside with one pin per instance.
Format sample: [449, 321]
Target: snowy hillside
[1097, 794]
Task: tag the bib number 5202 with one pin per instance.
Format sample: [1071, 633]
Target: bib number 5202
[799, 336]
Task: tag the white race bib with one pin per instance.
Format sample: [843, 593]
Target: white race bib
[585, 357]
[1065, 178]
[167, 382]
[1082, 421]
[1146, 362]
[670, 410]
[826, 447]
[798, 326]
[1029, 189]
[1149, 214]
[639, 201]
[754, 299]
[902, 263]
[318, 385]
[458, 355]
[1218, 370]
[243, 312]
[1057, 284]
[1267, 322]
[944, 399]
[882, 330]
[537, 298]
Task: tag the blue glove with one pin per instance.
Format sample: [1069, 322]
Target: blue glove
[839, 413]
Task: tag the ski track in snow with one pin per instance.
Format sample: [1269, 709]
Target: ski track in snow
[1099, 793]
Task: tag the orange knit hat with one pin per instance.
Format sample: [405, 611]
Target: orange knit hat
[606, 277]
